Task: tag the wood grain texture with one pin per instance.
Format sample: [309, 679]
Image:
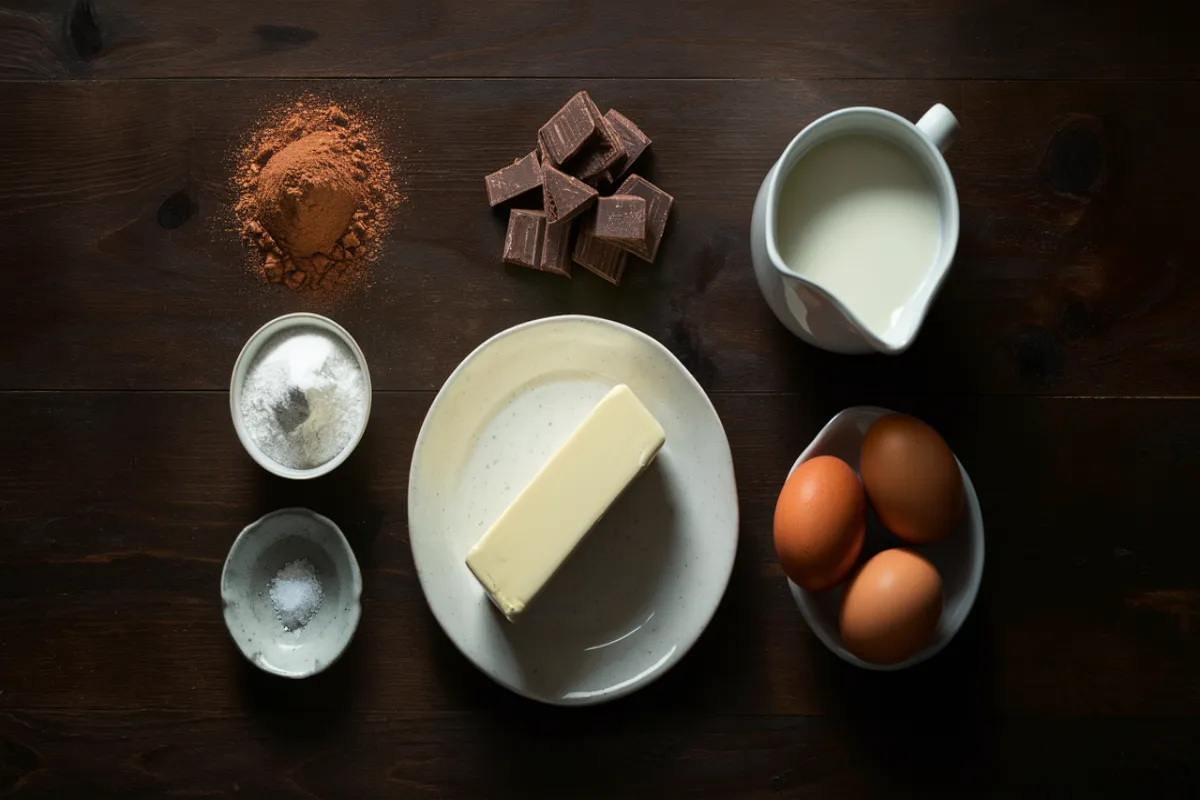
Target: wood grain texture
[618, 38]
[1075, 273]
[119, 508]
[344, 754]
[1059, 363]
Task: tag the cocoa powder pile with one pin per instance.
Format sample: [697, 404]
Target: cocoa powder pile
[315, 194]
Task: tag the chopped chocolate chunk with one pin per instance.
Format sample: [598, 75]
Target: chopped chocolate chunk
[563, 197]
[621, 219]
[555, 247]
[570, 129]
[658, 208]
[519, 177]
[523, 244]
[604, 259]
[633, 142]
[603, 152]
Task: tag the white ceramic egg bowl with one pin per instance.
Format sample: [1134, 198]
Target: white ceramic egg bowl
[958, 558]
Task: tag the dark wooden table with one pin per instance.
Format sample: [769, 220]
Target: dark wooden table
[1060, 362]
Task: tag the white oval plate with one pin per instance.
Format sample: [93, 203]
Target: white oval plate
[958, 558]
[644, 584]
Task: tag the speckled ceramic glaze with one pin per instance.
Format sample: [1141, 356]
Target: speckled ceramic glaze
[642, 587]
[958, 558]
[259, 552]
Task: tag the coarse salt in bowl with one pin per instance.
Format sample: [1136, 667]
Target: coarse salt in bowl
[291, 593]
[247, 360]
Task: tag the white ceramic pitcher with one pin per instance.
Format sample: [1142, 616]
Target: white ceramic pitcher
[807, 309]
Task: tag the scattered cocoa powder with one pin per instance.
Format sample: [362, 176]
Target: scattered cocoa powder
[315, 193]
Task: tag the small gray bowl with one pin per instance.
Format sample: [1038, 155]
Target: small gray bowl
[257, 555]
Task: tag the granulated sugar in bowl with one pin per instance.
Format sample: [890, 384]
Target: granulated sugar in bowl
[300, 395]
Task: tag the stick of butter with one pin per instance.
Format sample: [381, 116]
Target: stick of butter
[521, 552]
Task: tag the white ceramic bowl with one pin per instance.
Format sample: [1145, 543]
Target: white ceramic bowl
[257, 555]
[242, 366]
[643, 586]
[958, 558]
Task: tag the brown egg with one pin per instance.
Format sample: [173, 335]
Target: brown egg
[892, 607]
[820, 522]
[911, 479]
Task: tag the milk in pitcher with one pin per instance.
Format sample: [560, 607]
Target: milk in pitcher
[859, 217]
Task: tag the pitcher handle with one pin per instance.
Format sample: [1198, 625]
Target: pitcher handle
[940, 126]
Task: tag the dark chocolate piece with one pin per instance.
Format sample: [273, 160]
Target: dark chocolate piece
[604, 259]
[621, 219]
[519, 177]
[564, 197]
[556, 256]
[633, 142]
[570, 129]
[603, 152]
[523, 243]
[658, 208]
